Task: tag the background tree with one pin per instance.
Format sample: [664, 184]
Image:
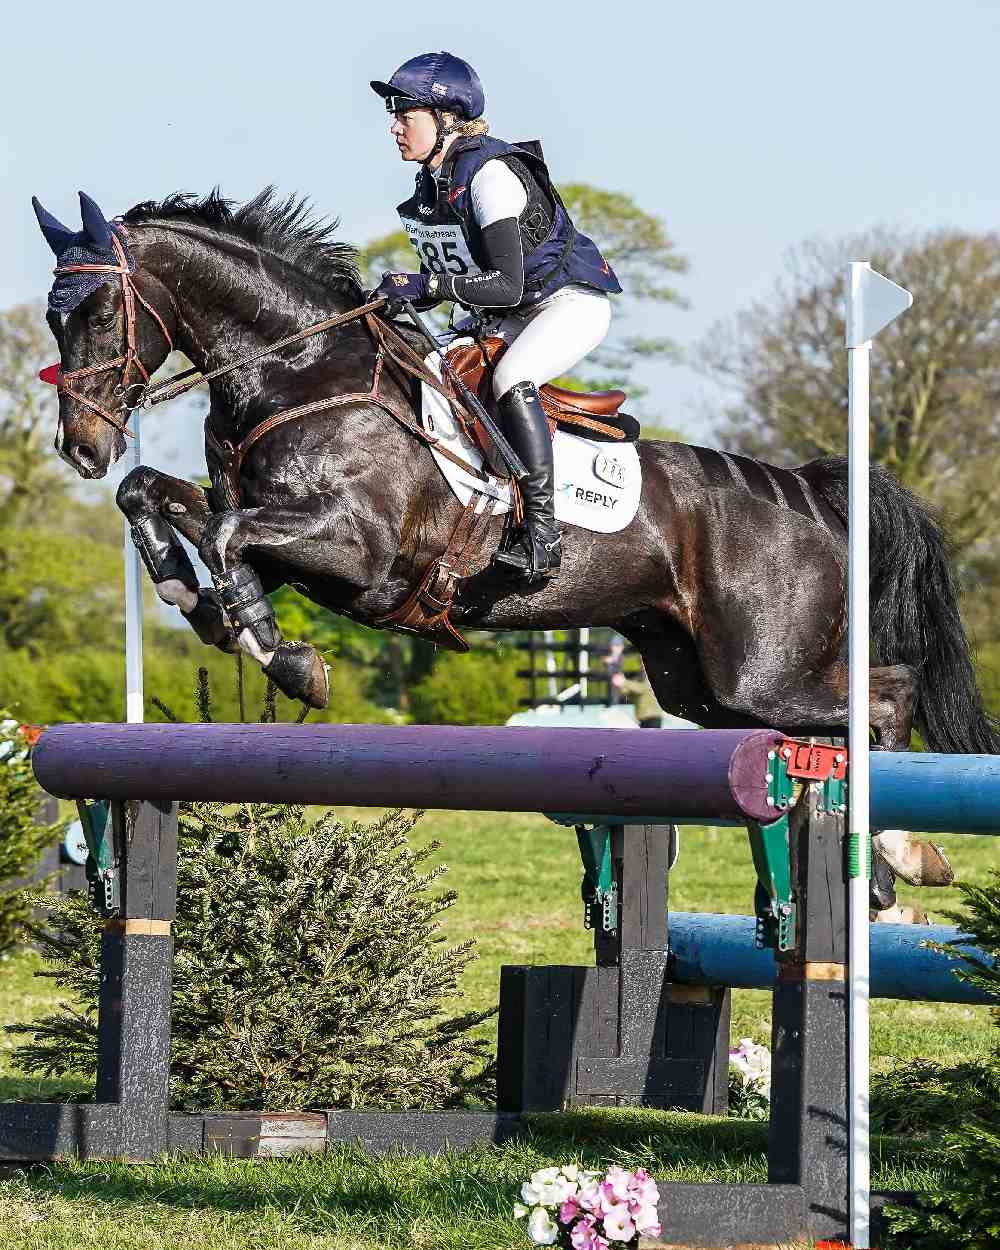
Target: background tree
[935, 375]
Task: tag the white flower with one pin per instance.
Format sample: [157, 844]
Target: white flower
[570, 1171]
[618, 1225]
[646, 1220]
[542, 1228]
[520, 1210]
[753, 1062]
[591, 1197]
[619, 1180]
[547, 1187]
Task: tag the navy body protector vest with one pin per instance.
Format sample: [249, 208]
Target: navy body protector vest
[439, 222]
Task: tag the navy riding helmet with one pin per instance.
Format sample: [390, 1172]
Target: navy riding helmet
[434, 80]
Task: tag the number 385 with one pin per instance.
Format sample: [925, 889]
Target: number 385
[447, 260]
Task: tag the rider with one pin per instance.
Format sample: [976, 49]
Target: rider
[493, 235]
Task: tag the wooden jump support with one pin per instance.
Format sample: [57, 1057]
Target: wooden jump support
[625, 1031]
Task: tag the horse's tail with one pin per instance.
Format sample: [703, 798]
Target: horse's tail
[914, 609]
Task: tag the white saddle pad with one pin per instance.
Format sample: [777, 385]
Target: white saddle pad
[598, 484]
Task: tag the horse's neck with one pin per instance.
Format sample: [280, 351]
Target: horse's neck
[231, 302]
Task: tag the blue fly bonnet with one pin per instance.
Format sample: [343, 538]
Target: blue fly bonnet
[90, 246]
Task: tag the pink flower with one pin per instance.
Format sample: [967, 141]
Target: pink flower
[569, 1210]
[617, 1184]
[591, 1198]
[583, 1236]
[618, 1224]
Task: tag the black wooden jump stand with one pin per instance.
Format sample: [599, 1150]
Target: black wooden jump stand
[618, 1034]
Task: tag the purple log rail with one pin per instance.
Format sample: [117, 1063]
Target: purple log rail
[694, 775]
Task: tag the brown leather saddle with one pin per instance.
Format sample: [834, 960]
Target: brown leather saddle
[591, 414]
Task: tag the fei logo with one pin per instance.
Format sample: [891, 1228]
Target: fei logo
[611, 470]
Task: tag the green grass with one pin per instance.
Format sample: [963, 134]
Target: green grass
[347, 1199]
[518, 880]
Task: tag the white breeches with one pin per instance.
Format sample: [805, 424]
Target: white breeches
[549, 339]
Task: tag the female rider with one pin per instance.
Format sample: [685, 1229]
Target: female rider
[493, 235]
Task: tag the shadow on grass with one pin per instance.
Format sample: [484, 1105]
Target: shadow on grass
[349, 1188]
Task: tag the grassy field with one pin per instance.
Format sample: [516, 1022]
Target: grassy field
[517, 879]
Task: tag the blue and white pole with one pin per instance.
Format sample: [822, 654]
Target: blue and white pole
[872, 303]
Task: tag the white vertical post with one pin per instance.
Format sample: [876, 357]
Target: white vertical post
[133, 605]
[872, 303]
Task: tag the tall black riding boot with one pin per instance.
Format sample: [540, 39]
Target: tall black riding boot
[536, 552]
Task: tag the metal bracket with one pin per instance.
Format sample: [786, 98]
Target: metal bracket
[599, 891]
[773, 903]
[789, 766]
[102, 863]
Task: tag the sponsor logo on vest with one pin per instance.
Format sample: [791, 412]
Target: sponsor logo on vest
[425, 210]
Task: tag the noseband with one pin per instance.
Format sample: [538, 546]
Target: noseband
[129, 359]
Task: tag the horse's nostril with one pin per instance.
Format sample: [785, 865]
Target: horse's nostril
[85, 456]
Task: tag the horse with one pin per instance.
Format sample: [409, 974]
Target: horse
[731, 580]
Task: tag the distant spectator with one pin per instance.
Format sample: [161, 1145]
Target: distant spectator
[613, 662]
[648, 712]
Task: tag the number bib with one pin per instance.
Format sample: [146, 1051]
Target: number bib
[440, 248]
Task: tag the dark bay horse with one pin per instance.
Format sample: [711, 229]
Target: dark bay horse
[731, 579]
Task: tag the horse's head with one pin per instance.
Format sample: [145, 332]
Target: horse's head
[112, 337]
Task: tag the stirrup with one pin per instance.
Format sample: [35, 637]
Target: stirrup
[520, 558]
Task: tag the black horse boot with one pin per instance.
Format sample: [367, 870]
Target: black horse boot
[166, 561]
[535, 552]
[295, 667]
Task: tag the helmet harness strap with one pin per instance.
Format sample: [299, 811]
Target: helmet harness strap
[443, 132]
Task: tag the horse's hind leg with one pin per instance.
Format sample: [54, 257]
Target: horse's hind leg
[893, 700]
[157, 505]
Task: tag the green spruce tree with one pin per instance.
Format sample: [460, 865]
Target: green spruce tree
[309, 971]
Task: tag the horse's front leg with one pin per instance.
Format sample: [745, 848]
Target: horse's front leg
[319, 537]
[157, 505]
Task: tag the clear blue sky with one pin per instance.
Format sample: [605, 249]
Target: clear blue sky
[748, 127]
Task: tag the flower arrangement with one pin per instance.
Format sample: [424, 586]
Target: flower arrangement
[580, 1210]
[749, 1080]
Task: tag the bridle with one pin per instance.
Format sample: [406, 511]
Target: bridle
[170, 388]
[129, 360]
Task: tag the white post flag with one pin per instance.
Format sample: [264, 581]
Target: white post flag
[872, 303]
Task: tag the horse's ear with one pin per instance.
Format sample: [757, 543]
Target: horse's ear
[56, 234]
[95, 224]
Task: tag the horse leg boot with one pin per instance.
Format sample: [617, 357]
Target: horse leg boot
[294, 667]
[536, 551]
[176, 582]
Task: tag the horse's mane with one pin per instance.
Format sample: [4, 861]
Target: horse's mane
[287, 228]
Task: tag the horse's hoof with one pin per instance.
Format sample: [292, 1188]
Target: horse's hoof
[916, 862]
[898, 914]
[298, 672]
[210, 623]
[882, 886]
